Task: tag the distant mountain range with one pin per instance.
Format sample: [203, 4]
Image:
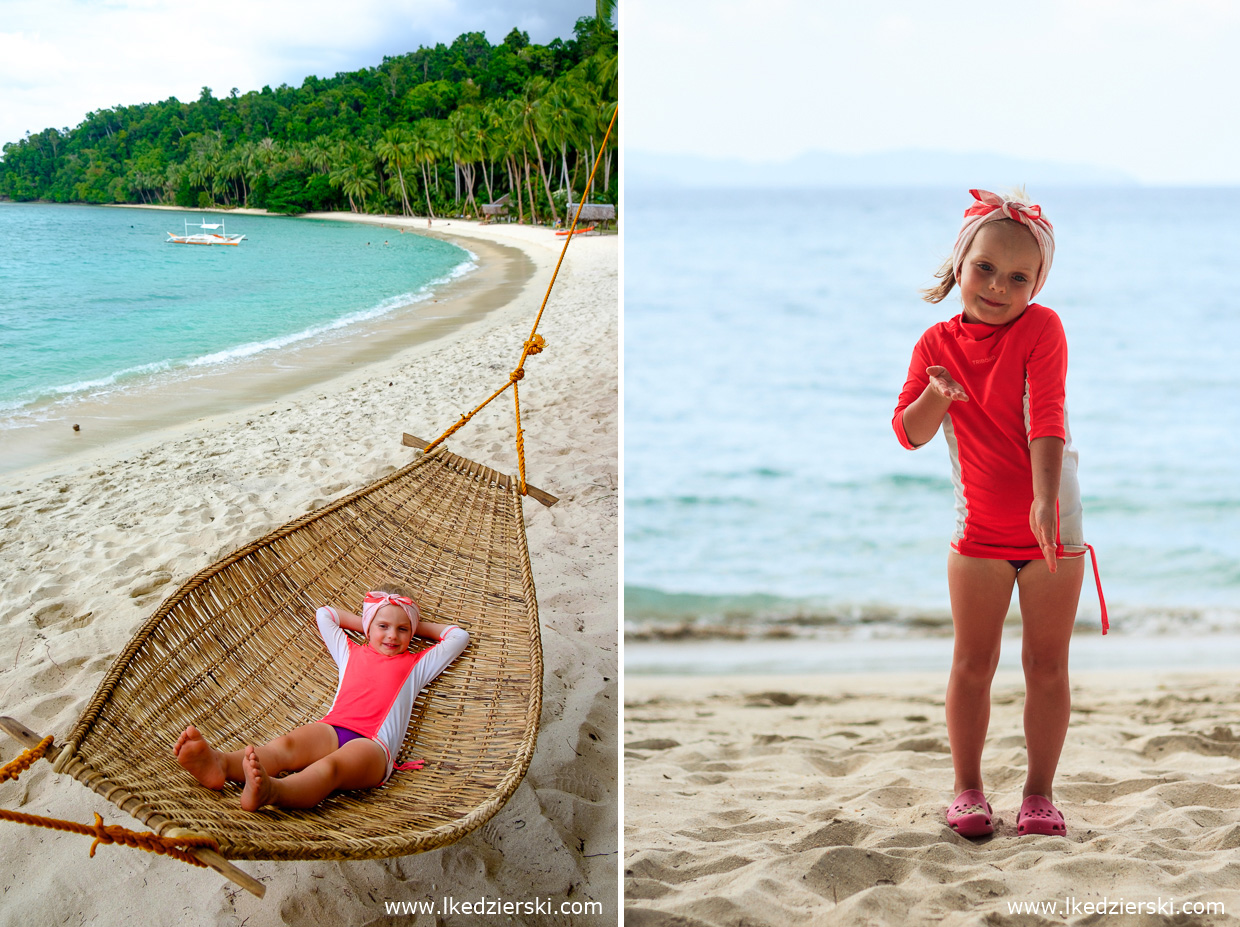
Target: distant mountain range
[907, 168]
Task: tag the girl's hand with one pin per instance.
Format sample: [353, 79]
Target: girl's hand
[944, 385]
[1042, 521]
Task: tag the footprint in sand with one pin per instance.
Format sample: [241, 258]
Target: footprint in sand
[580, 784]
[45, 710]
[1164, 744]
[844, 871]
[150, 583]
[835, 834]
[654, 743]
[926, 745]
[50, 614]
[771, 699]
[62, 615]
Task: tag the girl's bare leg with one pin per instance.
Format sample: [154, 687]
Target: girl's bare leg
[292, 751]
[981, 591]
[359, 764]
[1048, 610]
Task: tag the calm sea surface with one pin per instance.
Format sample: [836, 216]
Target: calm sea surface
[93, 300]
[767, 336]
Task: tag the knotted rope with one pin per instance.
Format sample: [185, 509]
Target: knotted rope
[535, 343]
[176, 847]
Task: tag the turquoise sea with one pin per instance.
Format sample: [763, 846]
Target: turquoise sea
[94, 302]
[767, 335]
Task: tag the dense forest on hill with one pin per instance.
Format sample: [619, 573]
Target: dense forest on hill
[436, 131]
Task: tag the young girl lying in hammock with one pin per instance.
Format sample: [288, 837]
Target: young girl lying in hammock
[355, 745]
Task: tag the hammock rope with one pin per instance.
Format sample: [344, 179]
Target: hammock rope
[535, 343]
[176, 847]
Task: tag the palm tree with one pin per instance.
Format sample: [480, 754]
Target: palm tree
[504, 132]
[463, 129]
[489, 130]
[266, 153]
[234, 168]
[613, 144]
[516, 113]
[566, 108]
[425, 152]
[604, 10]
[533, 120]
[339, 177]
[247, 158]
[361, 181]
[197, 171]
[393, 150]
[355, 176]
[173, 175]
[318, 155]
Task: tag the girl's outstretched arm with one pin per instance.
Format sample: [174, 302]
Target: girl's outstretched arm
[925, 414]
[1046, 458]
[346, 620]
[431, 630]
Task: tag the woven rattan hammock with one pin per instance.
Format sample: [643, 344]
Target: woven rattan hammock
[232, 651]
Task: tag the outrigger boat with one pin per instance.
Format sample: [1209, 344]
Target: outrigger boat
[210, 237]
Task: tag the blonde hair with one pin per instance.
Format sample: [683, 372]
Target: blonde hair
[391, 588]
[946, 275]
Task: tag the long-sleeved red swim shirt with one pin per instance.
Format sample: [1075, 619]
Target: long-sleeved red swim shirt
[1014, 376]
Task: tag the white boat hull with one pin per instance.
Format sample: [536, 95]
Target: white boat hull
[205, 239]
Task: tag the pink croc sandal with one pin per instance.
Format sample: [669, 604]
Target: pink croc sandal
[1039, 816]
[969, 815]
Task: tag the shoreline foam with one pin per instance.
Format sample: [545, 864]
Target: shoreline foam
[191, 392]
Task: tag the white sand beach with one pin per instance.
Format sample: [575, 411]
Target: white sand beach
[92, 542]
[788, 800]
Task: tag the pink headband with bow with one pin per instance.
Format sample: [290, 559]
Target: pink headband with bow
[988, 207]
[376, 600]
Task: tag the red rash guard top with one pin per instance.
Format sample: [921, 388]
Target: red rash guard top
[376, 693]
[1014, 377]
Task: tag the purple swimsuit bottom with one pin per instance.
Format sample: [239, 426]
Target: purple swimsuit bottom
[344, 735]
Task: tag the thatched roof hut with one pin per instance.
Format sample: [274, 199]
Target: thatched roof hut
[498, 208]
[594, 212]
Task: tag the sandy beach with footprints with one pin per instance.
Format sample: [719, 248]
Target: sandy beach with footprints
[92, 543]
[800, 800]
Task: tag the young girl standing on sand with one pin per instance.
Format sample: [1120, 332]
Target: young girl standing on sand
[355, 745]
[993, 377]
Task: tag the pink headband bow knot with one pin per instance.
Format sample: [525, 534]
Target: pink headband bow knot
[376, 600]
[987, 207]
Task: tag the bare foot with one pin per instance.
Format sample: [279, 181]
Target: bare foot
[200, 759]
[260, 789]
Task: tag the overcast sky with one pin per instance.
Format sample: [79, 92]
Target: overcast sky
[1147, 87]
[60, 59]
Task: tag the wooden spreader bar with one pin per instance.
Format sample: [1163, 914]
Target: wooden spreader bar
[29, 739]
[503, 479]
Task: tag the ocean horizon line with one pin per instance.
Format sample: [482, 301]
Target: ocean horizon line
[891, 169]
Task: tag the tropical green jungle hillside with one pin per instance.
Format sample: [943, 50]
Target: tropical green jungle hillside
[437, 131]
